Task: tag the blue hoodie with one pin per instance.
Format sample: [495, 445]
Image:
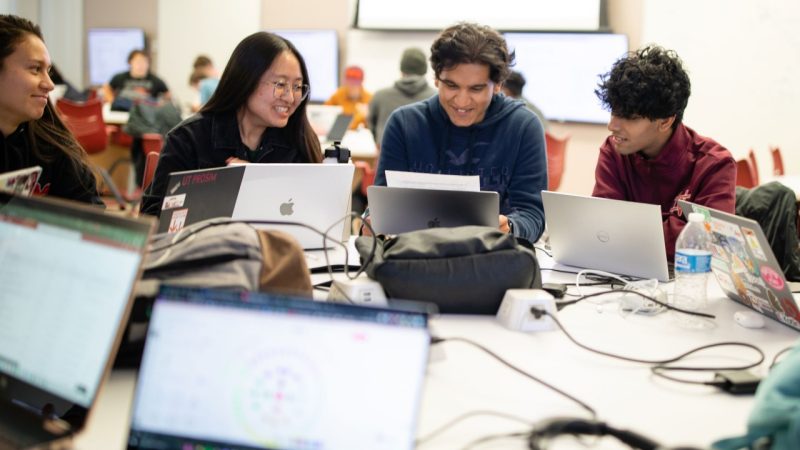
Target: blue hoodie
[506, 149]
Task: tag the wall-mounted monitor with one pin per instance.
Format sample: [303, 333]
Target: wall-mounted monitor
[320, 50]
[109, 49]
[418, 15]
[562, 71]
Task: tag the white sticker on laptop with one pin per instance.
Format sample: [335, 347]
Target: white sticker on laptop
[177, 220]
[173, 201]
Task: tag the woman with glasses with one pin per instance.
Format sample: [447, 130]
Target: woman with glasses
[257, 114]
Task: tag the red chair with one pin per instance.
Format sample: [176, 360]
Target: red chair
[556, 152]
[150, 165]
[751, 156]
[85, 121]
[151, 146]
[777, 161]
[745, 174]
[367, 175]
[151, 143]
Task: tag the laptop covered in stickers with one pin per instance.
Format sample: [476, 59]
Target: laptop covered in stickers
[745, 266]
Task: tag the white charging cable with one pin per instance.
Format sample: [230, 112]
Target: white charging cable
[629, 303]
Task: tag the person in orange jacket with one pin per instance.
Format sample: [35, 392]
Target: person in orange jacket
[352, 96]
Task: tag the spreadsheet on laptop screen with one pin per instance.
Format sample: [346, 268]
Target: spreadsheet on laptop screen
[66, 283]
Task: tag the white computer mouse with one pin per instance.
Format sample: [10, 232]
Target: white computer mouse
[749, 319]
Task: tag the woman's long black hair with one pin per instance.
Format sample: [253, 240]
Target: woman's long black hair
[248, 62]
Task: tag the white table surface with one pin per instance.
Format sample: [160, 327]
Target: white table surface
[462, 379]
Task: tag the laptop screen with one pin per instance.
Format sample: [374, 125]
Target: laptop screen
[68, 272]
[233, 370]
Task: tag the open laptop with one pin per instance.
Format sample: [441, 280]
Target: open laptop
[616, 236]
[67, 275]
[339, 128]
[745, 265]
[322, 117]
[317, 195]
[250, 370]
[20, 182]
[396, 210]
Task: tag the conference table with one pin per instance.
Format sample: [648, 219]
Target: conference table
[462, 380]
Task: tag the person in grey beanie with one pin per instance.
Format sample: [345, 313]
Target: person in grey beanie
[411, 87]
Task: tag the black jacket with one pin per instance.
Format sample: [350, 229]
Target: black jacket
[59, 177]
[205, 141]
[774, 207]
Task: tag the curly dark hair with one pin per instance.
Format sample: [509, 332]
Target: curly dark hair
[470, 43]
[649, 83]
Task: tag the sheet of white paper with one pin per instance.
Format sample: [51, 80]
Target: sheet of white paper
[416, 180]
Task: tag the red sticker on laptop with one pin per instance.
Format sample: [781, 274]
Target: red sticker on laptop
[773, 278]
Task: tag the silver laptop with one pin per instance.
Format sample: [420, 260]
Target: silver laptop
[313, 194]
[20, 182]
[225, 369]
[317, 195]
[396, 210]
[67, 274]
[745, 265]
[615, 236]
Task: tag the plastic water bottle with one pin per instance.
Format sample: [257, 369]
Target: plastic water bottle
[692, 267]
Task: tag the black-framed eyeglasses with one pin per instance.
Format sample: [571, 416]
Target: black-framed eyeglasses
[299, 91]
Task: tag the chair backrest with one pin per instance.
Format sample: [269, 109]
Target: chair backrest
[150, 164]
[152, 142]
[85, 121]
[556, 152]
[751, 156]
[777, 161]
[745, 174]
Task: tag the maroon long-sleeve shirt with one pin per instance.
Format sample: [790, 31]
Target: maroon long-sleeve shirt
[690, 167]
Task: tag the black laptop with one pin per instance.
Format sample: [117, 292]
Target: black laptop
[68, 271]
[339, 128]
[396, 210]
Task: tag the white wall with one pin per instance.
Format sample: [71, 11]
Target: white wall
[379, 52]
[61, 22]
[187, 28]
[743, 58]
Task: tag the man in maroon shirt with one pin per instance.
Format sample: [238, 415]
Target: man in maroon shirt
[651, 157]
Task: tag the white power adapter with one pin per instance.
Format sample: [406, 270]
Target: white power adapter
[360, 291]
[515, 310]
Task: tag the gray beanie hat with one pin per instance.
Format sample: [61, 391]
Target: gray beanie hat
[413, 62]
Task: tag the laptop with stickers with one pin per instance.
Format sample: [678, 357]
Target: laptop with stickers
[279, 373]
[68, 271]
[745, 266]
[20, 182]
[317, 195]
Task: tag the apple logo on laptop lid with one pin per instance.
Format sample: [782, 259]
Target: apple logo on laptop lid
[287, 209]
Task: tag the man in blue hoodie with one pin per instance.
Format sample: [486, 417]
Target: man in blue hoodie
[472, 129]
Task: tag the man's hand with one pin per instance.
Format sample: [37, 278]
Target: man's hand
[235, 160]
[504, 224]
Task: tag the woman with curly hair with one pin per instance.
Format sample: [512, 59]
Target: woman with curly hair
[31, 134]
[651, 156]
